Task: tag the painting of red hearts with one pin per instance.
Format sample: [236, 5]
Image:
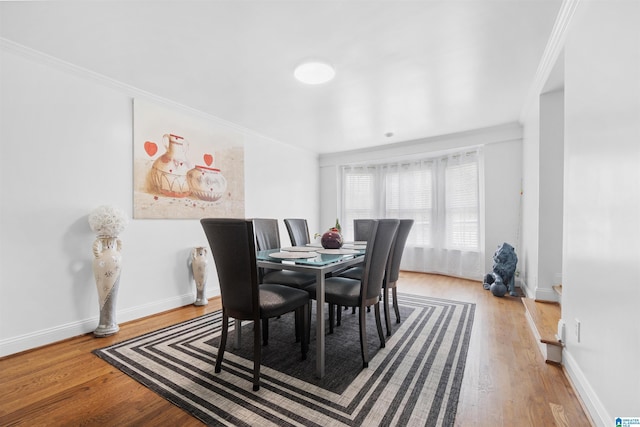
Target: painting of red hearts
[185, 167]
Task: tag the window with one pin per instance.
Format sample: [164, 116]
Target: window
[359, 202]
[461, 206]
[442, 196]
[409, 193]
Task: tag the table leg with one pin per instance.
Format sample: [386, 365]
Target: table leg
[237, 326]
[320, 324]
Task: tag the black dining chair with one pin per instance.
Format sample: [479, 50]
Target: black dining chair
[392, 274]
[233, 248]
[298, 231]
[268, 237]
[362, 229]
[342, 291]
[361, 232]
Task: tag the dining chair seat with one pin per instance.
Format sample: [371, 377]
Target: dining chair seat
[338, 290]
[276, 300]
[289, 278]
[353, 273]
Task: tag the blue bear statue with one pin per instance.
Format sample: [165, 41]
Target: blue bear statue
[503, 275]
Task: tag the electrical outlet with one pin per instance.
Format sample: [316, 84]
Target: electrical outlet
[577, 330]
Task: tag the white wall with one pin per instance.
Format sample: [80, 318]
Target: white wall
[530, 200]
[551, 194]
[600, 203]
[503, 184]
[67, 148]
[602, 206]
[502, 148]
[542, 222]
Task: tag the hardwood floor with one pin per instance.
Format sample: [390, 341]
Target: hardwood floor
[506, 382]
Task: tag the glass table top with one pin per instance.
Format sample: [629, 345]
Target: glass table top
[307, 258]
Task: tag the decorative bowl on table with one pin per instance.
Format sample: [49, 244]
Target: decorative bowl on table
[332, 239]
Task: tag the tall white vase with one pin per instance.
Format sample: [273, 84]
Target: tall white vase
[199, 268]
[106, 269]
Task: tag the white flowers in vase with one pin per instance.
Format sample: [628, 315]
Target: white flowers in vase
[108, 221]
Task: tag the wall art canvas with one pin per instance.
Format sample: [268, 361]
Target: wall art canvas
[185, 166]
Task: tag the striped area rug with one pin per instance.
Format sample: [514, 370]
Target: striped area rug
[414, 380]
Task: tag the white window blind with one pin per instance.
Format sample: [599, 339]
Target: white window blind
[409, 194]
[359, 199]
[441, 195]
[462, 206]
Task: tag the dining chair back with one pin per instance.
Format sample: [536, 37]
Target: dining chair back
[376, 259]
[298, 231]
[267, 233]
[396, 257]
[393, 271]
[361, 232]
[362, 229]
[268, 237]
[232, 244]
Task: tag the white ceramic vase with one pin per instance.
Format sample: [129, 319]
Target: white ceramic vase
[106, 269]
[199, 261]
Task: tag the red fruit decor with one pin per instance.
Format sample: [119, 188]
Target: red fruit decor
[332, 239]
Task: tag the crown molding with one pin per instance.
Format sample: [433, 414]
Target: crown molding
[132, 91]
[552, 51]
[433, 146]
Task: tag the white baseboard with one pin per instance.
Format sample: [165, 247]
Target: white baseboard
[546, 294]
[592, 403]
[538, 293]
[58, 333]
[525, 289]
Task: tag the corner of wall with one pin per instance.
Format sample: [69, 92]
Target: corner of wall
[522, 284]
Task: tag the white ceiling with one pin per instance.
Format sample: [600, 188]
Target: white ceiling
[414, 68]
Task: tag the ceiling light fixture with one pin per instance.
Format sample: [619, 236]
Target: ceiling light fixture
[314, 72]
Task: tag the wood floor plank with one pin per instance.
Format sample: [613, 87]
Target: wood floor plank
[545, 315]
[46, 381]
[506, 380]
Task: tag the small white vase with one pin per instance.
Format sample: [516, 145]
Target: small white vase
[199, 263]
[106, 269]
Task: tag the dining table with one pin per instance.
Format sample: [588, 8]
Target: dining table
[321, 262]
